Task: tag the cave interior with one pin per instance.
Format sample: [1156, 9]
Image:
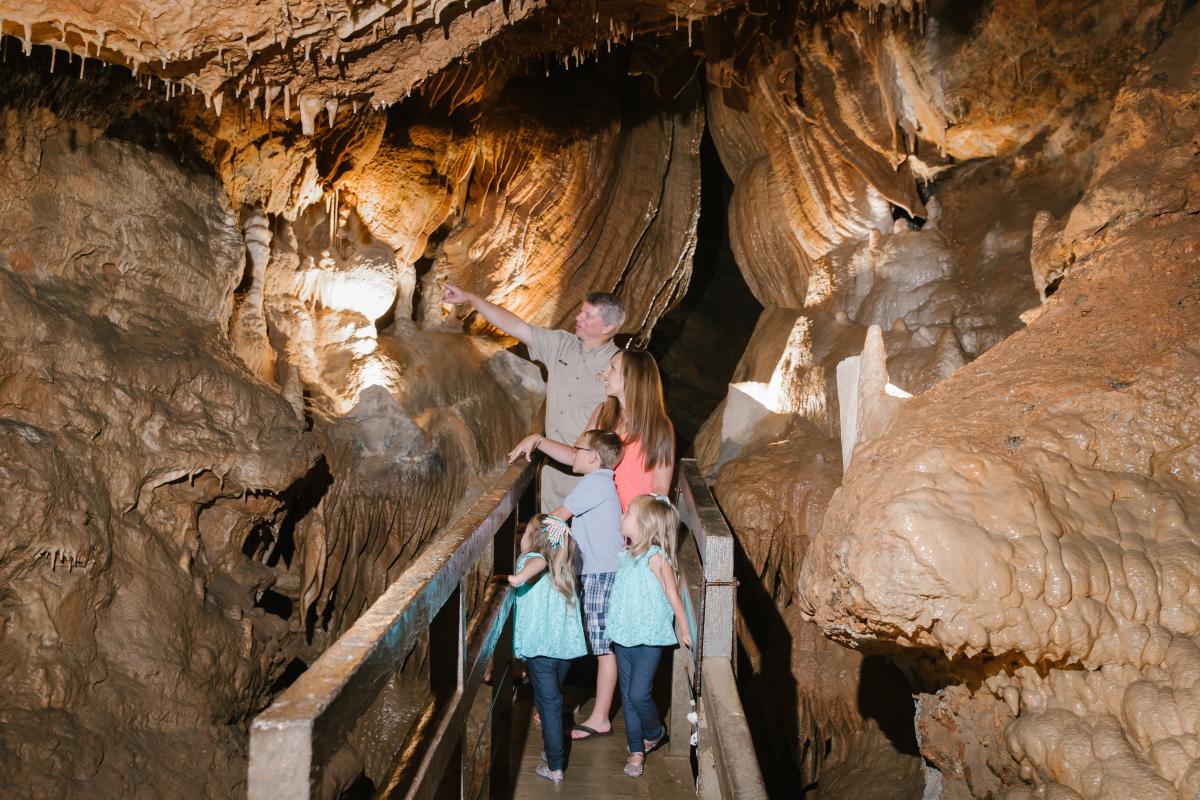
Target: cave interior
[234, 404]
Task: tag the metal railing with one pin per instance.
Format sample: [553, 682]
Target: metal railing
[726, 762]
[293, 741]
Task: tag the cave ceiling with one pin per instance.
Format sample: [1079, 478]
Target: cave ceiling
[300, 56]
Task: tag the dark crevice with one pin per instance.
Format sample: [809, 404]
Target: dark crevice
[276, 604]
[362, 789]
[291, 672]
[885, 696]
[699, 342]
[302, 497]
[899, 212]
[423, 266]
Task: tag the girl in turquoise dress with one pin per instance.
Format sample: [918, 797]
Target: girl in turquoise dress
[549, 631]
[645, 617]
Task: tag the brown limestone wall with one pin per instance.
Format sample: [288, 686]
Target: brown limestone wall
[600, 187]
[179, 534]
[138, 455]
[980, 124]
[1036, 512]
[262, 417]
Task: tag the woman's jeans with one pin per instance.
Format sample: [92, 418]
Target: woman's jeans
[547, 674]
[635, 671]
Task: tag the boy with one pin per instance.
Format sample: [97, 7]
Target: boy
[595, 513]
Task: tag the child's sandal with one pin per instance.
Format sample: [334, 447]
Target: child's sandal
[634, 768]
[552, 775]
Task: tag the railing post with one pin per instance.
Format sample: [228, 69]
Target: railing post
[716, 551]
[684, 660]
[504, 556]
[447, 659]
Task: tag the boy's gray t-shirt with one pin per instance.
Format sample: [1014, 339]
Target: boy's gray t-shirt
[596, 521]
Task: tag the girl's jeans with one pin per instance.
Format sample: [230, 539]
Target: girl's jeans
[635, 670]
[547, 674]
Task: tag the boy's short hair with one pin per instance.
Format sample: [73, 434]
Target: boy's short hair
[607, 446]
[612, 309]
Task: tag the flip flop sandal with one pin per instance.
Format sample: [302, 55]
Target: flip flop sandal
[592, 733]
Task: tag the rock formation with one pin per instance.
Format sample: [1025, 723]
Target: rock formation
[811, 221]
[1031, 518]
[232, 400]
[233, 406]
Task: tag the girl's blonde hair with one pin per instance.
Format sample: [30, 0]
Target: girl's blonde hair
[558, 559]
[658, 522]
[645, 415]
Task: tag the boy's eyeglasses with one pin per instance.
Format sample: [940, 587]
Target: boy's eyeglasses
[583, 449]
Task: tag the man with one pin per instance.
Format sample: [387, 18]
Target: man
[573, 363]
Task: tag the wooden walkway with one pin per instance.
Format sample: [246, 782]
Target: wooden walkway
[594, 767]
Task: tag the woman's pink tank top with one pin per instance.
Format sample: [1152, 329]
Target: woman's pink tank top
[631, 476]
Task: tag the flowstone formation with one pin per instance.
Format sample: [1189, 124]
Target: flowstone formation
[1030, 524]
[233, 405]
[915, 178]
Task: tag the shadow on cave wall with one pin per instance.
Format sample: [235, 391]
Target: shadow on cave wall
[768, 689]
[794, 753]
[885, 696]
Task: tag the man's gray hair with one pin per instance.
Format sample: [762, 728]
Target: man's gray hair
[612, 309]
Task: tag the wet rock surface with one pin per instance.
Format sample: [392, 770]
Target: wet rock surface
[1046, 508]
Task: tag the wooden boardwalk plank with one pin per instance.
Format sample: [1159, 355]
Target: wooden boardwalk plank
[594, 767]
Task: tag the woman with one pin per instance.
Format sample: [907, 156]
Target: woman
[634, 411]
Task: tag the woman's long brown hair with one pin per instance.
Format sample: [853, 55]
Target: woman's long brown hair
[645, 415]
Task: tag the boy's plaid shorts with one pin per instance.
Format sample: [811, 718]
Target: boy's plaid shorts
[597, 589]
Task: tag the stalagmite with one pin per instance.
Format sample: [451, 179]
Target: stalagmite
[250, 331]
[293, 391]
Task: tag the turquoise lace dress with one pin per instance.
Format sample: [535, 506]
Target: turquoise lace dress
[638, 611]
[546, 625]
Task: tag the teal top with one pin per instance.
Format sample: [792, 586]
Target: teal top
[546, 625]
[638, 612]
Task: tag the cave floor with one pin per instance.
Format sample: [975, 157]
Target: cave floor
[594, 767]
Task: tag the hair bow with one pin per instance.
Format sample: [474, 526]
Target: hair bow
[663, 499]
[556, 530]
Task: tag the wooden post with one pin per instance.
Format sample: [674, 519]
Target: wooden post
[504, 555]
[447, 657]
